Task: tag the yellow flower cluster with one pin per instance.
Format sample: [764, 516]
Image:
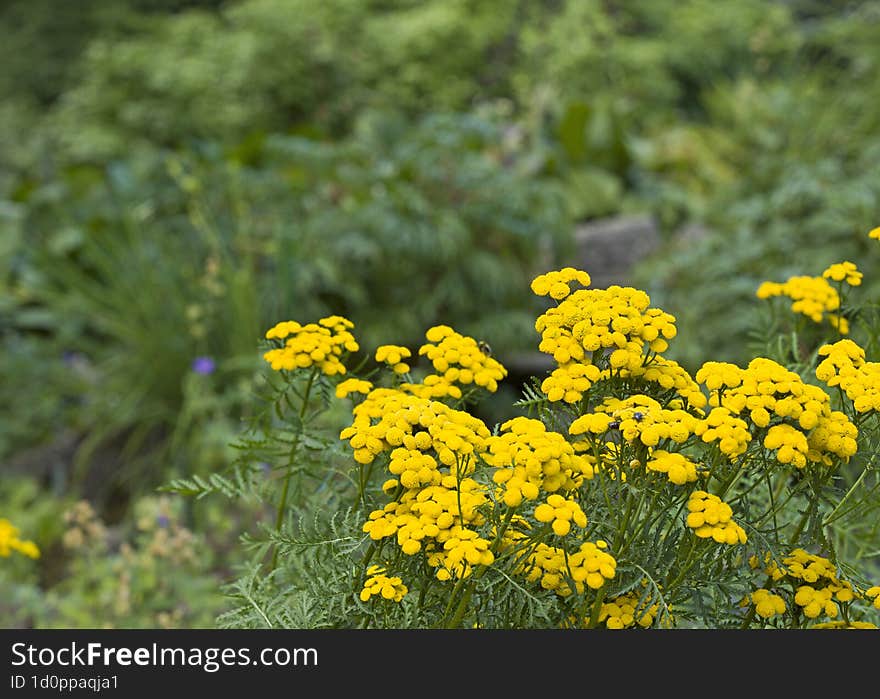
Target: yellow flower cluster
[421, 435]
[722, 426]
[767, 604]
[844, 365]
[528, 458]
[677, 467]
[557, 284]
[816, 601]
[438, 509]
[463, 550]
[436, 520]
[638, 417]
[570, 381]
[845, 272]
[709, 516]
[790, 444]
[393, 356]
[588, 567]
[813, 297]
[320, 344]
[598, 333]
[873, 593]
[10, 541]
[765, 392]
[560, 513]
[874, 233]
[625, 611]
[810, 567]
[426, 513]
[458, 359]
[819, 588]
[617, 319]
[344, 388]
[378, 584]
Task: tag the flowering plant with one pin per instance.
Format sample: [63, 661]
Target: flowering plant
[622, 493]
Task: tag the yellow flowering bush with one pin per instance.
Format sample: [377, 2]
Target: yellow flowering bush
[623, 488]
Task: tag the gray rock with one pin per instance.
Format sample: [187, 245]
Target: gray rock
[609, 248]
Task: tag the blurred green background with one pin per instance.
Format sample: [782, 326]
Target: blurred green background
[176, 176]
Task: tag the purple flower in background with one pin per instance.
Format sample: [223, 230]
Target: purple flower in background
[203, 365]
[163, 521]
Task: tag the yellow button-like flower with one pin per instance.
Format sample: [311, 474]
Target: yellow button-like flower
[320, 344]
[560, 513]
[378, 584]
[710, 517]
[767, 604]
[393, 356]
[846, 272]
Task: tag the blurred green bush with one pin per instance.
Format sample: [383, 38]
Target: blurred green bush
[139, 267]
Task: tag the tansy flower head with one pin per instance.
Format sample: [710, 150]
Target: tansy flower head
[710, 517]
[638, 417]
[767, 604]
[844, 272]
[677, 467]
[626, 611]
[557, 284]
[874, 233]
[343, 388]
[560, 514]
[320, 344]
[801, 426]
[10, 541]
[813, 297]
[459, 359]
[844, 366]
[529, 458]
[597, 334]
[378, 584]
[421, 435]
[589, 567]
[393, 356]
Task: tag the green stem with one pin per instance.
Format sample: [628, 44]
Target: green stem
[476, 575]
[831, 515]
[597, 607]
[282, 504]
[686, 564]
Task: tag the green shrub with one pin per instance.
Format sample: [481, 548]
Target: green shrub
[151, 262]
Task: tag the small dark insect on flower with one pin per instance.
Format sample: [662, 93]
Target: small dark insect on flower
[613, 425]
[485, 348]
[637, 416]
